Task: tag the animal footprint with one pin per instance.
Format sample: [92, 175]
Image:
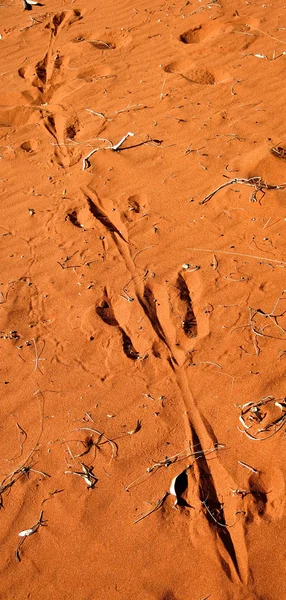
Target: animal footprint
[30, 146]
[189, 320]
[109, 39]
[61, 19]
[192, 36]
[105, 312]
[136, 206]
[103, 45]
[192, 74]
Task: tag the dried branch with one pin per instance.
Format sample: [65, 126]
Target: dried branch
[256, 182]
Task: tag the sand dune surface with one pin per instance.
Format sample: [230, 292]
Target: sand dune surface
[142, 300]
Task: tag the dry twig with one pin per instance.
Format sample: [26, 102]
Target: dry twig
[221, 524]
[117, 147]
[169, 460]
[246, 466]
[256, 182]
[279, 151]
[242, 254]
[158, 505]
[102, 436]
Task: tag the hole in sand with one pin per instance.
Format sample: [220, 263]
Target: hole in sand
[192, 36]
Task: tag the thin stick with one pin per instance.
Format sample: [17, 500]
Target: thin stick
[246, 466]
[117, 146]
[87, 474]
[205, 362]
[256, 417]
[158, 505]
[22, 433]
[267, 34]
[255, 182]
[97, 114]
[37, 355]
[207, 5]
[124, 289]
[24, 468]
[270, 260]
[109, 46]
[169, 460]
[252, 437]
[142, 250]
[150, 141]
[213, 517]
[114, 147]
[131, 107]
[51, 494]
[161, 93]
[113, 444]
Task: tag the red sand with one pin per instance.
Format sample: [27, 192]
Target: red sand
[129, 308]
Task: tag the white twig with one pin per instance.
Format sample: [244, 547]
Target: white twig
[114, 147]
[117, 146]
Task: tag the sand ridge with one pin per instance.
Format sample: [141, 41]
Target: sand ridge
[142, 300]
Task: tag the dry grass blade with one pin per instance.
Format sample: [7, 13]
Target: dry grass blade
[27, 532]
[87, 475]
[204, 6]
[204, 503]
[13, 477]
[113, 445]
[51, 494]
[169, 460]
[242, 254]
[265, 418]
[158, 505]
[25, 468]
[155, 142]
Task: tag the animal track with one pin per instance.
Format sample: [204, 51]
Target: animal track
[192, 74]
[214, 511]
[105, 312]
[63, 18]
[103, 218]
[30, 146]
[149, 307]
[133, 203]
[258, 494]
[41, 74]
[103, 45]
[109, 39]
[55, 23]
[71, 129]
[189, 320]
[47, 75]
[192, 36]
[72, 217]
[41, 70]
[136, 206]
